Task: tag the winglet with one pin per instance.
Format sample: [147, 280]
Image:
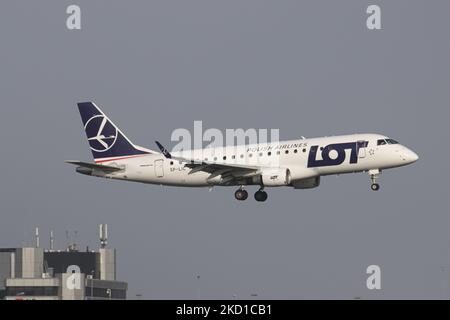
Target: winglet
[164, 151]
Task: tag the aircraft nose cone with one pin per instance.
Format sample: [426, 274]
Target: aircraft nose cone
[412, 156]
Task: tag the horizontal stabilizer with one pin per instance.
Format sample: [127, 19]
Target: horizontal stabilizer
[93, 166]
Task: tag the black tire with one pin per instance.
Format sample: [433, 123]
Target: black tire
[375, 186]
[241, 195]
[260, 196]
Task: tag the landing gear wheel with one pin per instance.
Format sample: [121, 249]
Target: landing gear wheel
[260, 195]
[241, 194]
[374, 175]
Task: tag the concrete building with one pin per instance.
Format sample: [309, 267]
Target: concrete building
[38, 274]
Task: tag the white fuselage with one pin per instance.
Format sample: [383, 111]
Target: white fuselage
[303, 159]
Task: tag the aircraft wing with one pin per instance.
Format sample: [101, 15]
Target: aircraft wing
[228, 171]
[214, 166]
[95, 166]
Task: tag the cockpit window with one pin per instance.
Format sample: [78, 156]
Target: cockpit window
[386, 141]
[391, 141]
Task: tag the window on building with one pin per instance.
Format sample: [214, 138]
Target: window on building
[32, 291]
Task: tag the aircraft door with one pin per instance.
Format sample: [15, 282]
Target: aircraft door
[159, 168]
[361, 149]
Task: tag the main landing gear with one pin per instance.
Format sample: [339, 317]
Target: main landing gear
[261, 195]
[242, 194]
[374, 174]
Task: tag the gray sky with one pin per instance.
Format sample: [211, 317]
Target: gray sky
[307, 67]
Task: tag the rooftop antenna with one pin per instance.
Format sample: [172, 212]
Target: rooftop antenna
[67, 239]
[52, 240]
[37, 237]
[103, 235]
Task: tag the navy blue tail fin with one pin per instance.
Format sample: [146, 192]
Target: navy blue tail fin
[105, 139]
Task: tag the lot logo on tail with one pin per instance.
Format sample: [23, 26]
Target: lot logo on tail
[102, 134]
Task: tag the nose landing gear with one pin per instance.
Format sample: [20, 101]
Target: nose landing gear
[375, 186]
[374, 175]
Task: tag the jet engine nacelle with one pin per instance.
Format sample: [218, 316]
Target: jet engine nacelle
[306, 183]
[276, 177]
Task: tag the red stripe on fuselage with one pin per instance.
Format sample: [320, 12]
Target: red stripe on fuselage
[120, 158]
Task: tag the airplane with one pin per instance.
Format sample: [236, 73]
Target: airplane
[298, 164]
